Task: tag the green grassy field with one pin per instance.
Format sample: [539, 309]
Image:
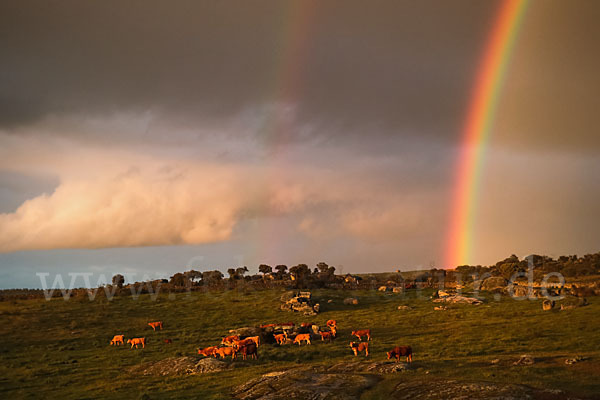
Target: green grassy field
[60, 349]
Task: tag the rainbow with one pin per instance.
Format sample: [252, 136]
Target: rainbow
[478, 128]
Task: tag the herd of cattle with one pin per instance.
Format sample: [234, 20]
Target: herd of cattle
[235, 345]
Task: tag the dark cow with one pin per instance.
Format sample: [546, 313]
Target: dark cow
[400, 351]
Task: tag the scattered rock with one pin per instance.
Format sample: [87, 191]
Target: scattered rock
[404, 308]
[382, 289]
[351, 300]
[495, 361]
[457, 299]
[525, 360]
[398, 289]
[440, 308]
[547, 305]
[571, 361]
[329, 301]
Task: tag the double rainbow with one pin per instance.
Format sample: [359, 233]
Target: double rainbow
[477, 130]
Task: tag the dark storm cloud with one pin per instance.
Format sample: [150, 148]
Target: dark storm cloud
[401, 65]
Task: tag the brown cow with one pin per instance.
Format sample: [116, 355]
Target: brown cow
[225, 351]
[157, 324]
[208, 351]
[326, 335]
[288, 324]
[136, 341]
[358, 347]
[281, 338]
[268, 326]
[241, 343]
[303, 336]
[229, 340]
[248, 350]
[117, 340]
[364, 332]
[332, 322]
[404, 351]
[255, 339]
[333, 330]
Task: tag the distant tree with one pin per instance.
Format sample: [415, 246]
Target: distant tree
[281, 270]
[232, 274]
[212, 277]
[323, 267]
[118, 280]
[265, 269]
[193, 275]
[300, 271]
[239, 272]
[179, 279]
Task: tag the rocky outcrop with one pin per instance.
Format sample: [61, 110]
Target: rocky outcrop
[181, 366]
[299, 302]
[495, 283]
[455, 390]
[305, 383]
[457, 299]
[547, 305]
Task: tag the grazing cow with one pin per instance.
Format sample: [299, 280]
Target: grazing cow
[225, 351]
[281, 338]
[208, 351]
[168, 341]
[117, 340]
[404, 351]
[241, 343]
[332, 322]
[358, 347]
[157, 324]
[364, 332]
[255, 339]
[303, 336]
[248, 350]
[136, 341]
[326, 335]
[229, 340]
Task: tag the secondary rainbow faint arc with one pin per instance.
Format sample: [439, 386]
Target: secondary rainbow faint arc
[478, 128]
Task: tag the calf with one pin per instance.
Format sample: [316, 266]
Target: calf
[157, 324]
[326, 335]
[404, 351]
[117, 340]
[249, 350]
[136, 341]
[303, 336]
[281, 338]
[358, 347]
[229, 340]
[225, 351]
[364, 332]
[208, 351]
